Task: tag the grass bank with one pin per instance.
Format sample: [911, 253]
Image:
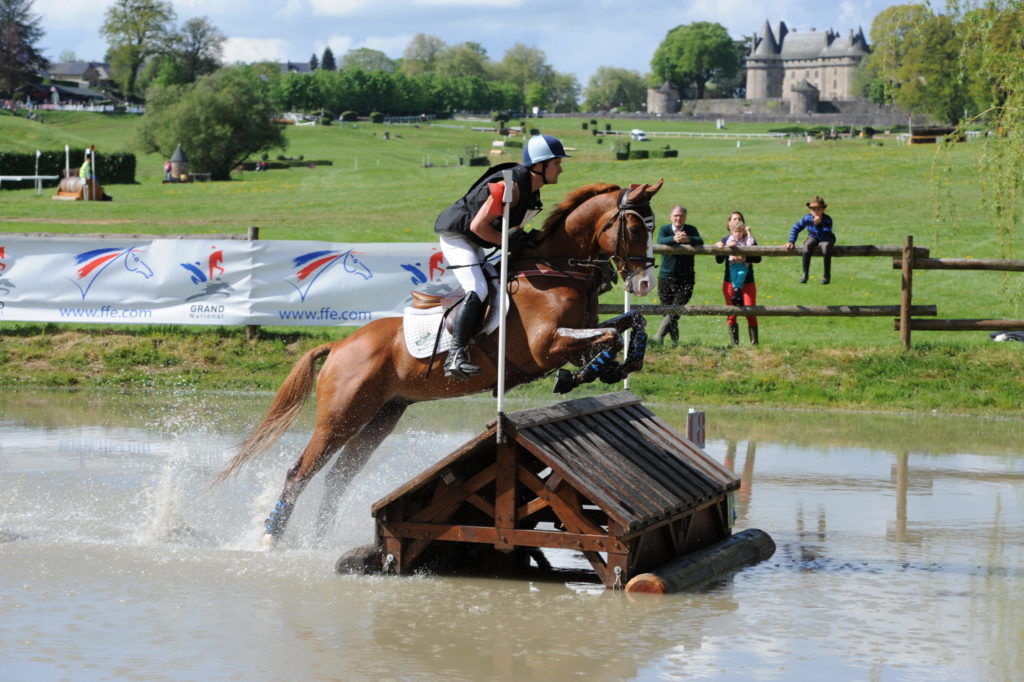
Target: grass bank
[946, 378]
[392, 189]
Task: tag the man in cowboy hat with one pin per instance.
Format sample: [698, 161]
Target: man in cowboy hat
[819, 236]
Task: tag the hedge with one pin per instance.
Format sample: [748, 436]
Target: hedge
[115, 168]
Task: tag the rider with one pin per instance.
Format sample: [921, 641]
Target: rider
[472, 225]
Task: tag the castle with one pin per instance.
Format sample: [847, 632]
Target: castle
[803, 68]
[805, 72]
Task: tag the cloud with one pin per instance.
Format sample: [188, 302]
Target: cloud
[255, 50]
[483, 4]
[336, 8]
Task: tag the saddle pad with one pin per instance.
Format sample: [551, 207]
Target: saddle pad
[420, 328]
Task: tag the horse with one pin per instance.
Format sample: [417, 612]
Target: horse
[369, 378]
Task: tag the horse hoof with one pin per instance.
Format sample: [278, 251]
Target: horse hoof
[565, 382]
[268, 542]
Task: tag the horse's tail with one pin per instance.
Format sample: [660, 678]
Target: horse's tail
[290, 398]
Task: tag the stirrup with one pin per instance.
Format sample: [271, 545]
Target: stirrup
[457, 365]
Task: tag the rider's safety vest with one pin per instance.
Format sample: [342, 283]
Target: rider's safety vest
[458, 216]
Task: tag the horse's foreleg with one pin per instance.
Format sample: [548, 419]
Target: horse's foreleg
[603, 365]
[351, 460]
[634, 360]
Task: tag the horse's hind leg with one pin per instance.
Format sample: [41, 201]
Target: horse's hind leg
[351, 460]
[336, 424]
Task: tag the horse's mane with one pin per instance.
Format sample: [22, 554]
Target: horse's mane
[572, 201]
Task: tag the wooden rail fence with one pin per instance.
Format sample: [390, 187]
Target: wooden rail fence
[906, 258]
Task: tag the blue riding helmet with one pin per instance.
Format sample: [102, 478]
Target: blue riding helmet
[541, 148]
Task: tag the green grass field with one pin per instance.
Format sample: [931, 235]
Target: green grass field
[391, 190]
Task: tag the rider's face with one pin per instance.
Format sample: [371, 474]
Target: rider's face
[552, 170]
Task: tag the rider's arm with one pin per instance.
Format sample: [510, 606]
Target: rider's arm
[481, 224]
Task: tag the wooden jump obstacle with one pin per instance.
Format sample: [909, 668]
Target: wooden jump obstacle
[601, 476]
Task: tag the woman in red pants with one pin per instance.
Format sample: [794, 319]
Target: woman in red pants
[738, 284]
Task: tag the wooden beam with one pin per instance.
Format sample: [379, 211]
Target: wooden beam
[964, 325]
[962, 264]
[906, 290]
[518, 537]
[773, 310]
[505, 491]
[855, 251]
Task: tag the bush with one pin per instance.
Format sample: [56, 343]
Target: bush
[325, 120]
[479, 161]
[513, 143]
[639, 154]
[534, 131]
[115, 168]
[349, 116]
[376, 117]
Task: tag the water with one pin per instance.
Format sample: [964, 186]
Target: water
[899, 557]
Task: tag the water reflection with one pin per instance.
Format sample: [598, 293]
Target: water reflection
[900, 556]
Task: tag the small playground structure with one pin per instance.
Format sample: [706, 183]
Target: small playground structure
[79, 189]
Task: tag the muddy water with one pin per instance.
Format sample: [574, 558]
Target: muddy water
[899, 557]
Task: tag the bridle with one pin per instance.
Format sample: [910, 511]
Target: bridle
[626, 208]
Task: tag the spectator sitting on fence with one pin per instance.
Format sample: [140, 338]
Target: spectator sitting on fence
[738, 284]
[819, 236]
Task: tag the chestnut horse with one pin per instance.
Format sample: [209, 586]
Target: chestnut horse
[369, 378]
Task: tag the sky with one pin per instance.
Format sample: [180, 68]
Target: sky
[577, 36]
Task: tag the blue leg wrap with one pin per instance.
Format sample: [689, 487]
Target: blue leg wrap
[597, 366]
[279, 517]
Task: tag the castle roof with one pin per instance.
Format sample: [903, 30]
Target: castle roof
[801, 45]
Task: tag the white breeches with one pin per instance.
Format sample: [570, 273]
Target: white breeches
[458, 250]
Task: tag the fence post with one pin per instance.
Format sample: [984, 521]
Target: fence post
[906, 290]
[252, 331]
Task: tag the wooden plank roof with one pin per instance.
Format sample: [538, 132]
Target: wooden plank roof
[612, 450]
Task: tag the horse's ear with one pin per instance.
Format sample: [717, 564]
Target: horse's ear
[644, 191]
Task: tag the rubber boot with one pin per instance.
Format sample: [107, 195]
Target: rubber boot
[663, 329]
[734, 334]
[807, 267]
[826, 276]
[753, 335]
[467, 319]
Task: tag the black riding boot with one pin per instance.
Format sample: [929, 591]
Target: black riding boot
[807, 267]
[467, 319]
[827, 266]
[753, 335]
[734, 334]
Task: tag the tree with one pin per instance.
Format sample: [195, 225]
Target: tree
[20, 61]
[314, 63]
[199, 47]
[523, 65]
[694, 53]
[928, 78]
[327, 62]
[368, 60]
[421, 54]
[135, 30]
[611, 87]
[464, 59]
[220, 120]
[563, 93]
[892, 32]
[994, 30]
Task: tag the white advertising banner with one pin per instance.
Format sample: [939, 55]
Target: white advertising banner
[212, 282]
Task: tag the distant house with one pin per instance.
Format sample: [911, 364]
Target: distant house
[803, 67]
[91, 75]
[295, 67]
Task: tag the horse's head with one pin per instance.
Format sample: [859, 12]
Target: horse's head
[626, 236]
